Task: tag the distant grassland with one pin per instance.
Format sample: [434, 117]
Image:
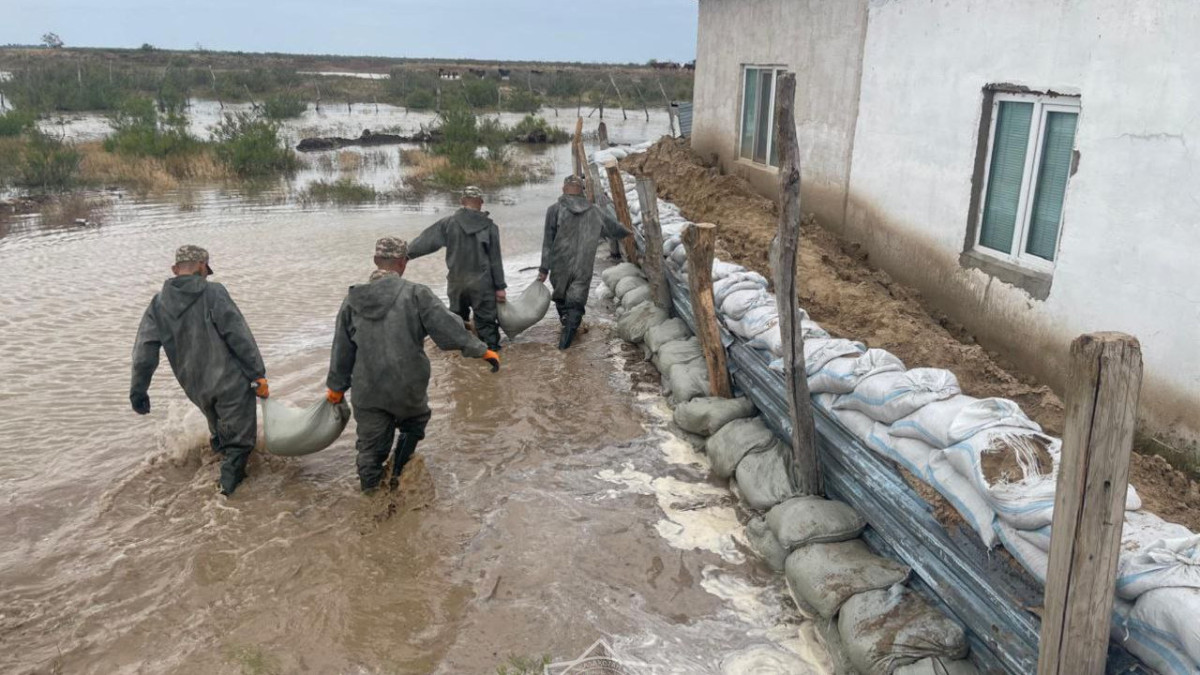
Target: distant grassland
[77, 80]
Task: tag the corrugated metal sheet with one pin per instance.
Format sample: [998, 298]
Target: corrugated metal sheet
[986, 592]
[683, 113]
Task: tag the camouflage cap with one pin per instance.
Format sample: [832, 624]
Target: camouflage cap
[379, 274]
[391, 248]
[190, 253]
[472, 192]
[573, 181]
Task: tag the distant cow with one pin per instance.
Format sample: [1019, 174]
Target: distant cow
[689, 66]
[504, 73]
[478, 72]
[536, 72]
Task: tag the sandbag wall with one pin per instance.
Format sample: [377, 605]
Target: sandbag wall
[986, 457]
[883, 626]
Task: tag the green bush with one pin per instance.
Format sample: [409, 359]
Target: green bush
[139, 130]
[493, 136]
[251, 145]
[343, 191]
[420, 99]
[284, 106]
[481, 93]
[460, 138]
[16, 122]
[520, 100]
[534, 129]
[47, 164]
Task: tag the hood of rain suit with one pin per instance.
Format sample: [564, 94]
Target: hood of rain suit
[472, 243]
[573, 230]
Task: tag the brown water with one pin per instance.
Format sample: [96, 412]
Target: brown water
[550, 507]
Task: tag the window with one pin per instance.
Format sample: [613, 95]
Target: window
[758, 115]
[1030, 149]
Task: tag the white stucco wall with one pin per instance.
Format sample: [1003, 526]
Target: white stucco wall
[826, 37]
[1128, 257]
[889, 99]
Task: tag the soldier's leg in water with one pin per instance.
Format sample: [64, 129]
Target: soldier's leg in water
[412, 430]
[376, 429]
[487, 322]
[210, 414]
[237, 425]
[460, 304]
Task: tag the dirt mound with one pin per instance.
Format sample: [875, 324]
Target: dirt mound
[849, 298]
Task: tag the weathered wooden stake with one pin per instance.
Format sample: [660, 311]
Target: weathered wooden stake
[1103, 385]
[699, 240]
[620, 99]
[621, 206]
[602, 134]
[577, 147]
[652, 265]
[805, 470]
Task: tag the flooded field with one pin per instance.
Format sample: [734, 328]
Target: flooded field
[551, 507]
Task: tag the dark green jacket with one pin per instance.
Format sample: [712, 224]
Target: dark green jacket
[472, 243]
[573, 230]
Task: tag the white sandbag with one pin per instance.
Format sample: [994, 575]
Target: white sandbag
[763, 479]
[819, 352]
[737, 303]
[885, 629]
[627, 284]
[612, 275]
[859, 425]
[1172, 614]
[633, 324]
[734, 441]
[635, 297]
[722, 269]
[933, 666]
[944, 423]
[706, 415]
[823, 576]
[1033, 559]
[736, 282]
[1173, 563]
[763, 542]
[679, 256]
[800, 521]
[771, 340]
[964, 497]
[667, 331]
[1154, 647]
[841, 375]
[291, 431]
[887, 397]
[688, 381]
[909, 453]
[519, 313]
[756, 320]
[676, 352]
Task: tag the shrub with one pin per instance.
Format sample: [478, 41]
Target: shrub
[139, 130]
[15, 122]
[283, 106]
[342, 191]
[520, 100]
[481, 93]
[420, 99]
[534, 129]
[493, 136]
[251, 146]
[460, 138]
[47, 163]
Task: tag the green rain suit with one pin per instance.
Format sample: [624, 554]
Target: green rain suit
[574, 228]
[379, 355]
[475, 270]
[214, 358]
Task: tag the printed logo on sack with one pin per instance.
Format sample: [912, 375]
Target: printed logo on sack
[599, 659]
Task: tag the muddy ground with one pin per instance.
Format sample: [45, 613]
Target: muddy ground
[849, 298]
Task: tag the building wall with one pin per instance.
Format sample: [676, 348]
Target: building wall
[827, 37]
[1129, 254]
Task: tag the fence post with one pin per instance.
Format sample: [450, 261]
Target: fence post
[652, 234]
[805, 470]
[621, 206]
[699, 239]
[602, 134]
[1103, 385]
[577, 147]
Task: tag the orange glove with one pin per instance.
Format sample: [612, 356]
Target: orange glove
[492, 358]
[334, 397]
[261, 389]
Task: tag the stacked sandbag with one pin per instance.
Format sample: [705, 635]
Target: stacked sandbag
[883, 630]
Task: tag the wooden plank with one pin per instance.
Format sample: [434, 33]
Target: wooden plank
[652, 264]
[1103, 385]
[700, 240]
[802, 461]
[577, 147]
[621, 206]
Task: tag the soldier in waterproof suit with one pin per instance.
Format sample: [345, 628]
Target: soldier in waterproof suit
[379, 351]
[574, 228]
[475, 272]
[213, 355]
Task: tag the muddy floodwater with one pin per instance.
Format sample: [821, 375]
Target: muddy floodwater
[550, 506]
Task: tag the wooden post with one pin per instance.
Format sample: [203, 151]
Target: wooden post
[1103, 385]
[652, 264]
[620, 99]
[805, 470]
[577, 147]
[699, 240]
[621, 205]
[602, 134]
[645, 107]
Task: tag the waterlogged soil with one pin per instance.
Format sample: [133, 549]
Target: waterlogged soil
[849, 298]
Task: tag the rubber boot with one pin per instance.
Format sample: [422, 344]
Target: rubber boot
[406, 445]
[568, 334]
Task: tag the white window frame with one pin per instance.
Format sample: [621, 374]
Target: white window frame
[1042, 104]
[775, 71]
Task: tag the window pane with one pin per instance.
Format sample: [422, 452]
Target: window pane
[1057, 142]
[765, 81]
[749, 112]
[1005, 175]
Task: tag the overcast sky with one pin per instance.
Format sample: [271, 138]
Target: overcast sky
[541, 30]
